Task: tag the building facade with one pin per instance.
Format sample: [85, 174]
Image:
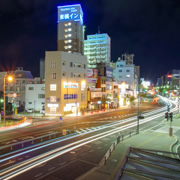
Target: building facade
[66, 83]
[127, 73]
[16, 89]
[35, 97]
[97, 48]
[70, 31]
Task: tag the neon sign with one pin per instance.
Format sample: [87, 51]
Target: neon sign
[70, 13]
[70, 85]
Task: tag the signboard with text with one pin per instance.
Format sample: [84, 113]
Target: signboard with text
[109, 72]
[70, 13]
[92, 73]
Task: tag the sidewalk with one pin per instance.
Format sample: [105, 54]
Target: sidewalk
[155, 139]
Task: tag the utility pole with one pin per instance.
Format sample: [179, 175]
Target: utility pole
[138, 108]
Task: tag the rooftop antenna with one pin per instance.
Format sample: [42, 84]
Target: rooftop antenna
[98, 29]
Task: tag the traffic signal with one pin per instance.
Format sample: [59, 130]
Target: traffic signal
[166, 115]
[171, 116]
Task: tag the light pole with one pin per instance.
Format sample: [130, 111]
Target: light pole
[138, 108]
[9, 78]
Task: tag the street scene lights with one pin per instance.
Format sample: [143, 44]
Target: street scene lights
[8, 78]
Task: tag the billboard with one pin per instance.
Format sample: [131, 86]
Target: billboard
[70, 13]
[109, 72]
[92, 73]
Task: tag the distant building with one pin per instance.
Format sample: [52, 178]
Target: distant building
[21, 78]
[42, 69]
[66, 83]
[35, 97]
[97, 48]
[126, 72]
[70, 29]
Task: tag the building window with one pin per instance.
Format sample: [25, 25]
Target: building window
[40, 96]
[43, 88]
[64, 63]
[30, 103]
[120, 76]
[127, 70]
[64, 74]
[53, 110]
[72, 75]
[53, 75]
[52, 87]
[82, 97]
[71, 64]
[121, 65]
[43, 103]
[128, 75]
[53, 65]
[117, 65]
[52, 98]
[31, 88]
[84, 66]
[120, 70]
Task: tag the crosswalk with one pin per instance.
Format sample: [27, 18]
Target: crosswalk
[115, 117]
[81, 131]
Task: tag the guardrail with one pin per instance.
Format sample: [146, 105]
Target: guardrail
[11, 146]
[119, 138]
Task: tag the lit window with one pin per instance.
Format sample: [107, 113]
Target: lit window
[66, 36]
[69, 41]
[69, 46]
[65, 47]
[52, 110]
[52, 98]
[128, 76]
[69, 51]
[69, 35]
[69, 23]
[69, 29]
[52, 87]
[65, 24]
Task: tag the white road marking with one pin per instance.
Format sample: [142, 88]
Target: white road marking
[38, 175]
[62, 163]
[91, 150]
[51, 168]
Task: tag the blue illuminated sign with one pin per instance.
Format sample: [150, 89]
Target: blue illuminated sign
[70, 13]
[70, 96]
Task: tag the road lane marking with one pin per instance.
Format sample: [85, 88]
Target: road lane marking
[51, 168]
[38, 175]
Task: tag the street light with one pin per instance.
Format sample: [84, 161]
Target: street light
[9, 78]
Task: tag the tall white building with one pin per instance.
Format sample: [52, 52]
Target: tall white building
[97, 48]
[70, 28]
[66, 83]
[126, 72]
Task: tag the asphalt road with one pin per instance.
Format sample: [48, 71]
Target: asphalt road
[74, 163]
[42, 127]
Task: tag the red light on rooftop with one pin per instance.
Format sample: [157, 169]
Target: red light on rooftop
[169, 75]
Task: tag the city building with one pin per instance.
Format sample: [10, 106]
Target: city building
[97, 48]
[66, 83]
[42, 69]
[35, 97]
[70, 31]
[126, 72]
[15, 90]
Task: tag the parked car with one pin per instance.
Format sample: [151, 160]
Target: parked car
[42, 111]
[30, 110]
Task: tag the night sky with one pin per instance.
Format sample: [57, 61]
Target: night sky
[150, 29]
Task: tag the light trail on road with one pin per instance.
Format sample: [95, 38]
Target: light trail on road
[70, 147]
